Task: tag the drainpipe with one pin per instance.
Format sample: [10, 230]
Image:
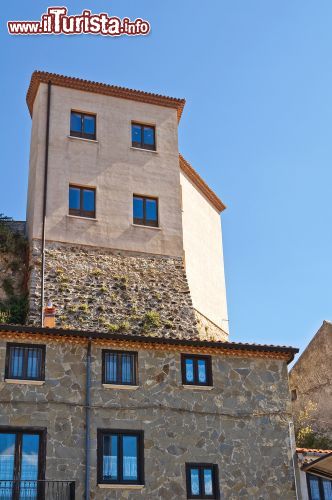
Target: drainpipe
[42, 299]
[87, 421]
[294, 460]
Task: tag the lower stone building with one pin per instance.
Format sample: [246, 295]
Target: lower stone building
[128, 417]
[314, 477]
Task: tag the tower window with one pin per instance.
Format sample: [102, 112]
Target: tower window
[143, 136]
[83, 125]
[145, 211]
[82, 201]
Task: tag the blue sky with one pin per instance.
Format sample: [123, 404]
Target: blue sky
[257, 126]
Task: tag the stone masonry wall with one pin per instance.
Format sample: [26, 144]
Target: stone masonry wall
[95, 289]
[241, 424]
[311, 377]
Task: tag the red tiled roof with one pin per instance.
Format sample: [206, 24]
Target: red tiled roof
[287, 352]
[311, 450]
[39, 77]
[202, 186]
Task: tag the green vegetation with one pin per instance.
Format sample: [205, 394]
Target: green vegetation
[96, 272]
[83, 308]
[305, 436]
[151, 320]
[10, 241]
[112, 327]
[14, 308]
[124, 326]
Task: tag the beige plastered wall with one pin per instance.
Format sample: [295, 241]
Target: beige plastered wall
[204, 262]
[112, 166]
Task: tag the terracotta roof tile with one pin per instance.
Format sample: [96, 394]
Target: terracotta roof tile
[39, 77]
[286, 352]
[311, 450]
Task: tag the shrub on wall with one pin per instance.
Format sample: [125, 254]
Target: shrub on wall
[13, 309]
[305, 435]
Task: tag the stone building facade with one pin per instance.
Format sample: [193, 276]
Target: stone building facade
[240, 423]
[133, 391]
[310, 381]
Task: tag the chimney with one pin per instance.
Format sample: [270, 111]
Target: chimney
[49, 315]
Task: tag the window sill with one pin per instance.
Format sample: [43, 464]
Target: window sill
[121, 486]
[82, 139]
[25, 382]
[81, 217]
[146, 150]
[198, 387]
[147, 227]
[120, 386]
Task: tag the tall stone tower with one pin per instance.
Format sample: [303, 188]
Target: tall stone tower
[124, 234]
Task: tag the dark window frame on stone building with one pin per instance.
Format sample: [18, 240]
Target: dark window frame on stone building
[140, 136]
[202, 484]
[22, 444]
[80, 123]
[321, 482]
[25, 362]
[194, 363]
[141, 214]
[81, 209]
[107, 438]
[124, 370]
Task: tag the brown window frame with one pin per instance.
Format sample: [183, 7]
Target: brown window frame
[320, 481]
[144, 221]
[82, 134]
[142, 145]
[12, 345]
[196, 358]
[119, 355]
[140, 456]
[79, 212]
[215, 480]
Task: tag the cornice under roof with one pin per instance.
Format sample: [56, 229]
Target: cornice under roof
[202, 186]
[288, 352]
[39, 77]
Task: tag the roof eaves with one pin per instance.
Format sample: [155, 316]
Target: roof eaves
[201, 184]
[236, 346]
[312, 450]
[39, 77]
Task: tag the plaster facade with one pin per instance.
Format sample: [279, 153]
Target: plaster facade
[241, 424]
[204, 261]
[110, 165]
